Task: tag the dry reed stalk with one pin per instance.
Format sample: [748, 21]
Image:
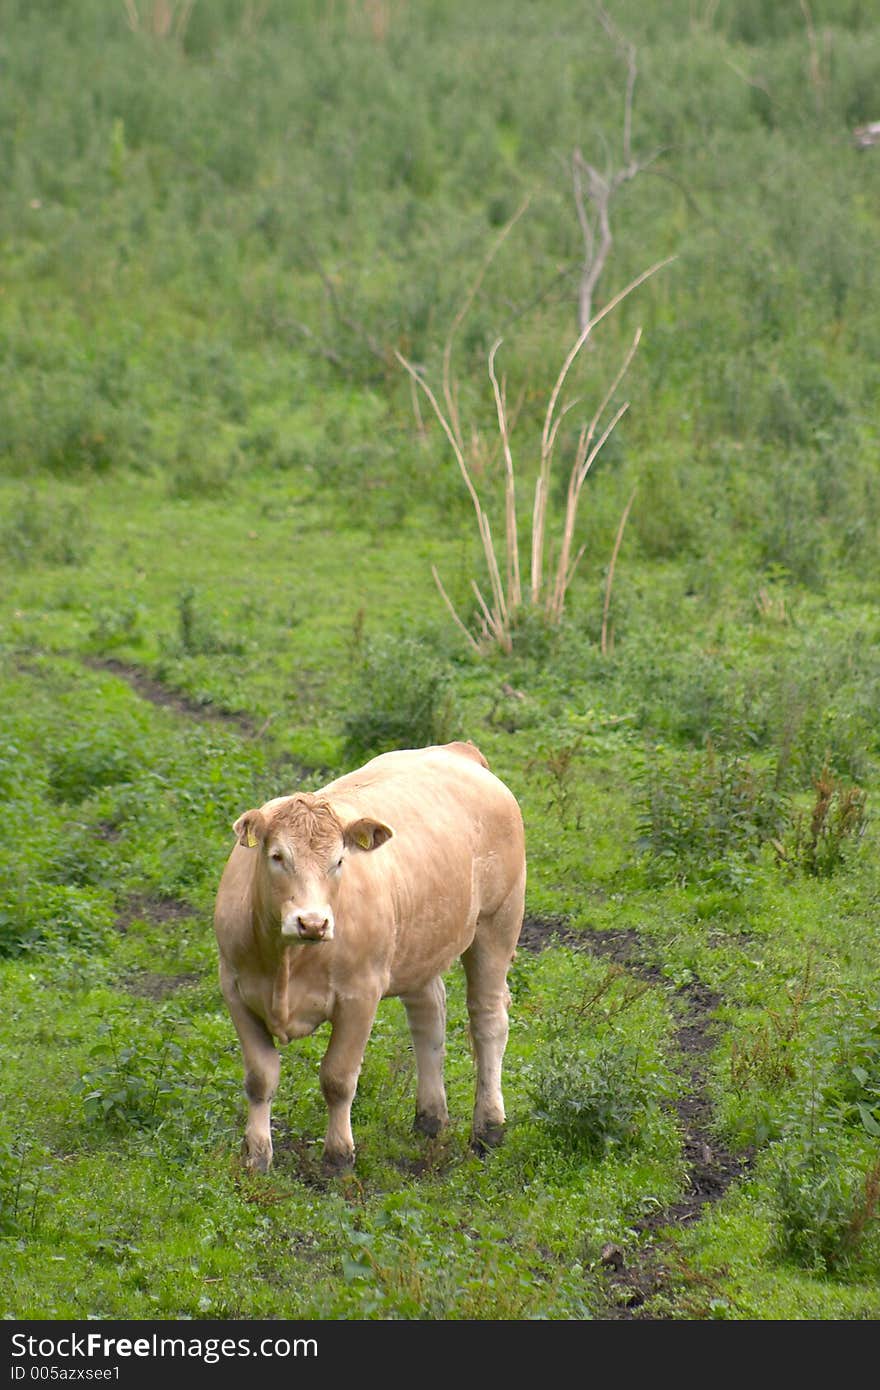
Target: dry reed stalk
[551, 426]
[505, 599]
[497, 618]
[514, 588]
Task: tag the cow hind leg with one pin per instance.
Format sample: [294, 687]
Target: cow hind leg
[486, 963]
[426, 1014]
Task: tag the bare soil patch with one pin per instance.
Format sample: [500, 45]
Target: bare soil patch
[148, 984]
[149, 908]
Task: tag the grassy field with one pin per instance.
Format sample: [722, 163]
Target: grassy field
[226, 229]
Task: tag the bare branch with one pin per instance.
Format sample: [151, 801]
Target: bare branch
[601, 188]
[456, 619]
[320, 348]
[629, 52]
[564, 571]
[587, 436]
[577, 161]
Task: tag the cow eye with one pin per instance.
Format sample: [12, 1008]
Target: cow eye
[276, 856]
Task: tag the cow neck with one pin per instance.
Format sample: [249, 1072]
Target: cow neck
[280, 1007]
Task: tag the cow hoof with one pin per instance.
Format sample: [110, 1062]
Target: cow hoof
[429, 1125]
[334, 1165]
[260, 1161]
[489, 1137]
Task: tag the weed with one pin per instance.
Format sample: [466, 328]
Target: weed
[198, 633]
[43, 530]
[851, 1088]
[591, 1102]
[556, 764]
[131, 1083]
[403, 698]
[768, 1059]
[118, 626]
[706, 818]
[823, 1204]
[23, 1169]
[85, 764]
[819, 841]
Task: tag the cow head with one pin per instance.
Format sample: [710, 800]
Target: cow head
[303, 846]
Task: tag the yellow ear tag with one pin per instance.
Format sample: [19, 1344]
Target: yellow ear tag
[365, 840]
[251, 839]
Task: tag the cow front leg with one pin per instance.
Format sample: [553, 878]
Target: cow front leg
[426, 1014]
[262, 1067]
[351, 1024]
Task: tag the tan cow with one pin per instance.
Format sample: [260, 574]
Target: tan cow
[373, 886]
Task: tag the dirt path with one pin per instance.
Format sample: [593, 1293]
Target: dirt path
[158, 694]
[635, 1276]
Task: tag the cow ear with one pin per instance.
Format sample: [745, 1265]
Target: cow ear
[367, 833]
[250, 829]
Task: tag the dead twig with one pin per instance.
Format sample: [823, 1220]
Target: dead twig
[594, 190]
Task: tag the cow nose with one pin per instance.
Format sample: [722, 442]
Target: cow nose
[312, 924]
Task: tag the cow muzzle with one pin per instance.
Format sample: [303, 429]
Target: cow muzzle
[308, 926]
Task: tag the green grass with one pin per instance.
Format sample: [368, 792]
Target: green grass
[219, 512]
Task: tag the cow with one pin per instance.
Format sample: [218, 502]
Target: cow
[370, 888]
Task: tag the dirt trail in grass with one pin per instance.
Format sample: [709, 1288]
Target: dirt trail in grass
[204, 711]
[635, 1276]
[158, 694]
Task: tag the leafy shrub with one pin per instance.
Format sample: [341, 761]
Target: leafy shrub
[131, 1083]
[93, 760]
[789, 530]
[403, 699]
[43, 530]
[705, 818]
[591, 1102]
[766, 1054]
[118, 626]
[45, 915]
[198, 634]
[823, 1204]
[851, 1089]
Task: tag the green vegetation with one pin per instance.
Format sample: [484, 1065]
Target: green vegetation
[222, 498]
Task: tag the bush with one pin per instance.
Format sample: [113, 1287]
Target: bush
[590, 1103]
[403, 699]
[705, 818]
[823, 1204]
[131, 1083]
[851, 1090]
[89, 762]
[40, 529]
